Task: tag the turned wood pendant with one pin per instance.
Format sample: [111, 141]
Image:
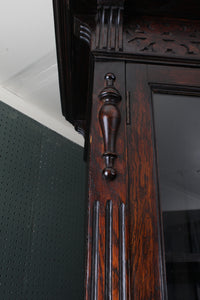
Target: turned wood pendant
[109, 118]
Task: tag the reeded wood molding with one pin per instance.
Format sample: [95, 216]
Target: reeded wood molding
[109, 249]
[82, 31]
[109, 118]
[112, 244]
[95, 252]
[109, 26]
[109, 236]
[122, 252]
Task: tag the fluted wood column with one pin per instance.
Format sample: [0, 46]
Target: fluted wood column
[107, 264]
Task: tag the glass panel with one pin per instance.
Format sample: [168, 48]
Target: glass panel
[177, 127]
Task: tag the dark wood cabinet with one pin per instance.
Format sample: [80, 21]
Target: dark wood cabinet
[145, 82]
[118, 64]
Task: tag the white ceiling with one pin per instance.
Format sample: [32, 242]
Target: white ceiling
[28, 72]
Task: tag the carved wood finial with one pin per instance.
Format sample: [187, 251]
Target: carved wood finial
[109, 118]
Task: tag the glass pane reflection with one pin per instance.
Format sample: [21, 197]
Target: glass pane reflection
[177, 127]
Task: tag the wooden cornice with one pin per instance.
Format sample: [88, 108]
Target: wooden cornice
[116, 29]
[75, 21]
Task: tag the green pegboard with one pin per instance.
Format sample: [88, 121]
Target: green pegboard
[42, 211]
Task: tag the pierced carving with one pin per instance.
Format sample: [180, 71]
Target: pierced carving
[109, 118]
[163, 38]
[109, 29]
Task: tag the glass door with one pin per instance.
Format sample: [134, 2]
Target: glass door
[177, 127]
[164, 181]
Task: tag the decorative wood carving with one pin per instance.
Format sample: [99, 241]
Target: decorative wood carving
[109, 27]
[109, 249]
[121, 244]
[124, 249]
[163, 37]
[82, 31]
[110, 194]
[109, 118]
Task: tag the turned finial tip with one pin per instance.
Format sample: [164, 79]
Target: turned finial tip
[110, 78]
[109, 173]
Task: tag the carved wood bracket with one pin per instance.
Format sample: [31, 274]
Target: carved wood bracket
[109, 118]
[82, 31]
[109, 26]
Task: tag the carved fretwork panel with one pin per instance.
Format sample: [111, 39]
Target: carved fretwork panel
[163, 37]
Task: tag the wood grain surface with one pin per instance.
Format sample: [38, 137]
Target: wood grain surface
[145, 263]
[110, 194]
[125, 245]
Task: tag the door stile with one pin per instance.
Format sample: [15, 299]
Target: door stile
[106, 275]
[146, 273]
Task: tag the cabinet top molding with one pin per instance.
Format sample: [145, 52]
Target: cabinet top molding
[117, 29]
[111, 2]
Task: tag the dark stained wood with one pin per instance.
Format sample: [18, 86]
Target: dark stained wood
[111, 2]
[95, 251]
[108, 254]
[178, 8]
[76, 21]
[63, 29]
[74, 62]
[109, 30]
[158, 40]
[103, 190]
[109, 118]
[122, 253]
[146, 55]
[179, 79]
[147, 269]
[146, 278]
[163, 37]
[136, 241]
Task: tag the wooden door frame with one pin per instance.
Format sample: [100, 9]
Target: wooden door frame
[146, 225]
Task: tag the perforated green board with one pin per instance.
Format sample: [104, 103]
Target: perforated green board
[42, 211]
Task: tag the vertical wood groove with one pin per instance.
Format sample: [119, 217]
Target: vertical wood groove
[122, 251]
[109, 193]
[109, 28]
[109, 229]
[95, 252]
